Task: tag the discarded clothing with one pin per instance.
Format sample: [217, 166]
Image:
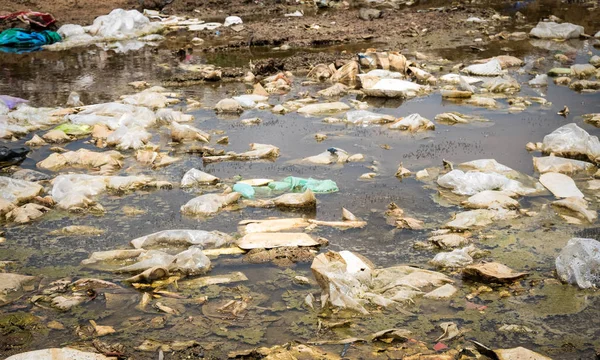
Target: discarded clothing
[19, 38]
[33, 18]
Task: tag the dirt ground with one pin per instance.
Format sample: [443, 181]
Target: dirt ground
[397, 28]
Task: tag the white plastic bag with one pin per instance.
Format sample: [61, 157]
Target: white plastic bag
[196, 177]
[552, 30]
[579, 263]
[571, 140]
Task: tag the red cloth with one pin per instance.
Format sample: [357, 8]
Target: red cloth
[39, 19]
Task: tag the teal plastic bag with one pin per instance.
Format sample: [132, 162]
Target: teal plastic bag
[246, 190]
[317, 186]
[279, 186]
[321, 186]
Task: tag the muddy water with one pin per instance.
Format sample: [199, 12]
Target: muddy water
[564, 320]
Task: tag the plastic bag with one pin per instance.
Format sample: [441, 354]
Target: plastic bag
[245, 190]
[412, 123]
[249, 101]
[232, 20]
[152, 100]
[491, 68]
[191, 262]
[579, 263]
[297, 184]
[118, 22]
[365, 117]
[197, 177]
[74, 129]
[561, 165]
[16, 191]
[473, 182]
[393, 88]
[331, 156]
[490, 199]
[11, 102]
[296, 200]
[552, 30]
[184, 132]
[209, 204]
[169, 115]
[571, 140]
[129, 138]
[454, 258]
[501, 84]
[539, 80]
[76, 190]
[180, 237]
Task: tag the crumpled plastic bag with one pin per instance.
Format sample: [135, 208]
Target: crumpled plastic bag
[490, 68]
[572, 141]
[104, 161]
[501, 84]
[16, 191]
[182, 237]
[350, 281]
[579, 263]
[296, 184]
[115, 115]
[118, 22]
[413, 123]
[453, 259]
[365, 117]
[75, 191]
[473, 182]
[126, 137]
[257, 151]
[552, 30]
[394, 88]
[209, 204]
[197, 177]
[191, 262]
[184, 132]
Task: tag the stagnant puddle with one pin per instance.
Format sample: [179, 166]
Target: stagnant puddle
[269, 308]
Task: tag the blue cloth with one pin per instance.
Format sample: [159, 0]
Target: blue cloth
[20, 40]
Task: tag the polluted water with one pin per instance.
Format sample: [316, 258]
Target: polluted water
[167, 193]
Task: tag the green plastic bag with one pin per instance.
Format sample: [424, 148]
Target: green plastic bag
[246, 190]
[297, 184]
[279, 186]
[74, 129]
